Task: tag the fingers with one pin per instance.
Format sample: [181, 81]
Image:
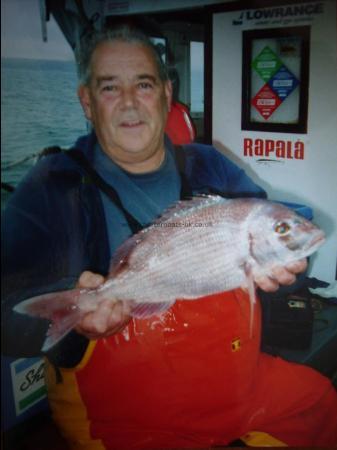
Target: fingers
[95, 322]
[287, 274]
[267, 284]
[298, 266]
[111, 315]
[90, 280]
[281, 275]
[109, 318]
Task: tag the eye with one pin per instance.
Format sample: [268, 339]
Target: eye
[145, 85]
[110, 88]
[282, 228]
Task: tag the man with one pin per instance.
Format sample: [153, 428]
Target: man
[192, 377]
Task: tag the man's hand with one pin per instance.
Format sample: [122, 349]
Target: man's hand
[109, 318]
[285, 275]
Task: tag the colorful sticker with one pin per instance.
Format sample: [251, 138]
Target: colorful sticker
[283, 82]
[266, 101]
[28, 383]
[266, 63]
[280, 82]
[236, 345]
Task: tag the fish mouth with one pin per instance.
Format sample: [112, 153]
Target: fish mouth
[315, 242]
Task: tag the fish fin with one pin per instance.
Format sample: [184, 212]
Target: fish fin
[59, 329]
[58, 307]
[182, 207]
[143, 310]
[52, 306]
[252, 296]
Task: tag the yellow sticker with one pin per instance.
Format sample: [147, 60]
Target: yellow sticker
[236, 345]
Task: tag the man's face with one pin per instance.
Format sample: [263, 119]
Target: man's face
[126, 102]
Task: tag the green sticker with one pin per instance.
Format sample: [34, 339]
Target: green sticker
[266, 63]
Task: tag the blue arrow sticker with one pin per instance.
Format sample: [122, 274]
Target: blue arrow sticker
[283, 82]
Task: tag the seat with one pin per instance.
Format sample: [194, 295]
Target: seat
[179, 126]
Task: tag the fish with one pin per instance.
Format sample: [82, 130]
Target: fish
[198, 247]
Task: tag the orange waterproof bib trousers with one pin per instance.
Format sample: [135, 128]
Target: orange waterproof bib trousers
[191, 378]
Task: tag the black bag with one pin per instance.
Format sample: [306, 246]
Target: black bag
[287, 321]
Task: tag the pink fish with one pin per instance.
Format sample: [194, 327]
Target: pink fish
[198, 247]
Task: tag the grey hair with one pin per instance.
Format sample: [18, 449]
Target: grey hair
[123, 33]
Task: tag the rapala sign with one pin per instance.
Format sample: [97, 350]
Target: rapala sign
[273, 149]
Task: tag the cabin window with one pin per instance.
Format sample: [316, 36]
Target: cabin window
[160, 44]
[197, 78]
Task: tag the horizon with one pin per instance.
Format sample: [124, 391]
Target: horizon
[39, 59]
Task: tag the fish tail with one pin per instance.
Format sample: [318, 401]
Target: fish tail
[61, 308]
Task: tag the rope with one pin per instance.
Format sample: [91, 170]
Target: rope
[46, 151]
[20, 161]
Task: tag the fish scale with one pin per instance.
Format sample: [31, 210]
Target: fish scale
[167, 266]
[200, 253]
[196, 248]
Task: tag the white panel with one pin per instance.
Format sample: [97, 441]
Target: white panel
[312, 180]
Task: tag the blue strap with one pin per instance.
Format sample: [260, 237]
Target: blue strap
[133, 223]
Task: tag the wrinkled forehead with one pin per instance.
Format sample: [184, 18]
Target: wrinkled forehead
[119, 57]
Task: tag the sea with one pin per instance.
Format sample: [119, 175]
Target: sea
[39, 109]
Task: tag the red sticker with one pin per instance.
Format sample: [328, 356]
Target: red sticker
[266, 101]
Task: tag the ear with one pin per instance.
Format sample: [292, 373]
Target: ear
[84, 97]
[168, 93]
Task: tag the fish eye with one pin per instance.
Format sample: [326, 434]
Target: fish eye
[282, 228]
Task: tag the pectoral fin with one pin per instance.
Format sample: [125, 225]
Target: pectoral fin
[252, 295]
[143, 310]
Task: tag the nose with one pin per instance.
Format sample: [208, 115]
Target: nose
[128, 98]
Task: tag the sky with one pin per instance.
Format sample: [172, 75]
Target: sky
[21, 33]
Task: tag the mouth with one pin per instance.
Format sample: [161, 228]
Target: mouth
[131, 124]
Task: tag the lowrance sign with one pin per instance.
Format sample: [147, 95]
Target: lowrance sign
[306, 10]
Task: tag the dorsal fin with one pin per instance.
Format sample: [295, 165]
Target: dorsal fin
[183, 207]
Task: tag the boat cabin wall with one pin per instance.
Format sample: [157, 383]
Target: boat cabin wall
[293, 163]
